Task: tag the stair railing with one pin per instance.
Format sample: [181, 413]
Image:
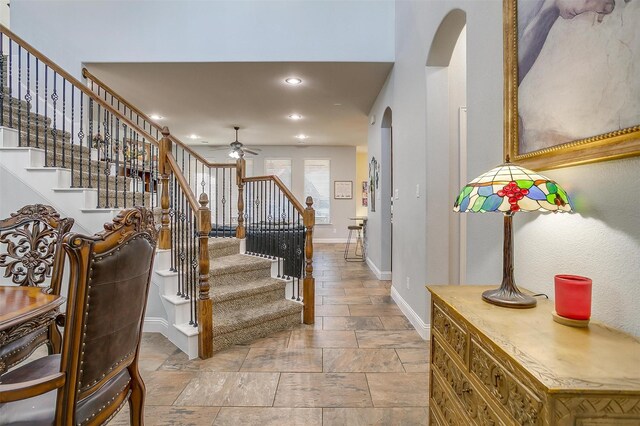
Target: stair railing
[78, 131]
[277, 226]
[185, 228]
[227, 186]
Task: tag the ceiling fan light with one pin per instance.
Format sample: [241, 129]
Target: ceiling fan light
[234, 154]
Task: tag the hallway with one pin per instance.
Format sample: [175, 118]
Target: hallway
[360, 363]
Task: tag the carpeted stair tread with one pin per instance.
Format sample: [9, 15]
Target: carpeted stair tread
[221, 247]
[245, 289]
[219, 243]
[237, 263]
[250, 317]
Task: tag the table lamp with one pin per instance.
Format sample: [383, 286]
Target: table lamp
[508, 189]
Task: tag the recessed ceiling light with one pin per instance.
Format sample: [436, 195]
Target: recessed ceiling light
[295, 116]
[293, 81]
[302, 137]
[337, 104]
[204, 141]
[194, 136]
[156, 117]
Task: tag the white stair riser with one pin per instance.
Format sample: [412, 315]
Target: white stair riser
[178, 312]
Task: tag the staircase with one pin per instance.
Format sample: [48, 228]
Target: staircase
[247, 302]
[63, 143]
[68, 176]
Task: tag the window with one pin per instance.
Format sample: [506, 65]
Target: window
[317, 183]
[280, 167]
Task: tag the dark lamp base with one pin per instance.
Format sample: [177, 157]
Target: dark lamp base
[509, 298]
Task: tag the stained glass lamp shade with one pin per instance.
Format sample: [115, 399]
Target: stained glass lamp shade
[509, 188]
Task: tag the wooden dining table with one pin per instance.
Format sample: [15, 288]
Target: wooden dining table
[25, 309]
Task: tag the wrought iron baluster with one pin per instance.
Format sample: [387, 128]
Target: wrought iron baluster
[217, 203]
[3, 64]
[27, 98]
[81, 138]
[117, 154]
[46, 108]
[37, 103]
[181, 244]
[108, 150]
[172, 218]
[20, 96]
[90, 140]
[231, 203]
[72, 147]
[54, 118]
[143, 175]
[64, 121]
[99, 143]
[224, 211]
[10, 70]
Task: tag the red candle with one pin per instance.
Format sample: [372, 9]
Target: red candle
[573, 296]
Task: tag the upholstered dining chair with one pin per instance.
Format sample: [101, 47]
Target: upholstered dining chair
[97, 371]
[31, 255]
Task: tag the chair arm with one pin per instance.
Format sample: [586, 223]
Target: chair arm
[10, 392]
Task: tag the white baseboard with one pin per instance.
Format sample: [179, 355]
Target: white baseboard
[155, 325]
[423, 329]
[329, 240]
[381, 275]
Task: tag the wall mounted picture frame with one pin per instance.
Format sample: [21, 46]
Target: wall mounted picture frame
[365, 193]
[571, 93]
[343, 190]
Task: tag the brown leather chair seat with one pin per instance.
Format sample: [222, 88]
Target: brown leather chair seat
[354, 227]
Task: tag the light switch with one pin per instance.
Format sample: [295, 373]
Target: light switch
[397, 196]
[417, 190]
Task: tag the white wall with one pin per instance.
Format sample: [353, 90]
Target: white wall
[343, 167]
[73, 32]
[599, 241]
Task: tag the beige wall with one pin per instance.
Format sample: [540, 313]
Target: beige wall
[362, 175]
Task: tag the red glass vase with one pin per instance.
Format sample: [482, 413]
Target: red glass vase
[573, 296]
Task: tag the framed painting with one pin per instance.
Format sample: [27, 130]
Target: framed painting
[572, 81]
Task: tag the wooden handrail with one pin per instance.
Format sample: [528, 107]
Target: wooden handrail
[87, 74]
[191, 198]
[71, 79]
[282, 187]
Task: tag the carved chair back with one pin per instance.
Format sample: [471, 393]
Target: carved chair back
[109, 282]
[31, 254]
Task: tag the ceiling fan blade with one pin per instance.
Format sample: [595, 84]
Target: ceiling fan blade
[249, 151]
[252, 148]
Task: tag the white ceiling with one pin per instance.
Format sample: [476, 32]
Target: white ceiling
[208, 99]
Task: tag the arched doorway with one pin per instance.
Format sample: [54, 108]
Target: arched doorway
[386, 190]
[446, 78]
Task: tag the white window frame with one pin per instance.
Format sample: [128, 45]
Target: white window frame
[330, 201]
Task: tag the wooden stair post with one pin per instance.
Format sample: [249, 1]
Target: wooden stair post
[205, 311]
[164, 238]
[240, 174]
[309, 283]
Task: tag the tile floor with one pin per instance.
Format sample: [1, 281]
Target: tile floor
[361, 363]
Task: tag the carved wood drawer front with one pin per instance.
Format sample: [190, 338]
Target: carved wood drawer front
[445, 408]
[470, 399]
[453, 334]
[516, 398]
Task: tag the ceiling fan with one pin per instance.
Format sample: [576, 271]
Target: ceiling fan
[238, 149]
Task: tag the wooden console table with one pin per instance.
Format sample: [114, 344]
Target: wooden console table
[498, 366]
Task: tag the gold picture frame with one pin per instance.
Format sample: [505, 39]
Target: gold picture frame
[607, 146]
